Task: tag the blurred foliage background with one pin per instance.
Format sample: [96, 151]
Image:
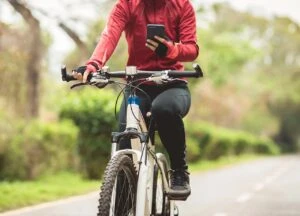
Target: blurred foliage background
[248, 101]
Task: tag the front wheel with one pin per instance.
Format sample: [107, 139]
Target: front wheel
[159, 197]
[161, 204]
[118, 191]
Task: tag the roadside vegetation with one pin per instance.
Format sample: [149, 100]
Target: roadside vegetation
[19, 194]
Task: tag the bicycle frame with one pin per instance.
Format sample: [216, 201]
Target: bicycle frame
[144, 160]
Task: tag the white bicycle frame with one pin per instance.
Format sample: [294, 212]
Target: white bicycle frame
[145, 162]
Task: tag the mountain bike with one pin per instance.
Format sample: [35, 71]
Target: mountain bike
[136, 180]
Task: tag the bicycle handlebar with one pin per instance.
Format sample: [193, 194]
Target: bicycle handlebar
[139, 74]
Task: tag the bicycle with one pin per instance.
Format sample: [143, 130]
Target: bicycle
[136, 180]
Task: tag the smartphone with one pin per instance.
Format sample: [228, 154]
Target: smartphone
[155, 30]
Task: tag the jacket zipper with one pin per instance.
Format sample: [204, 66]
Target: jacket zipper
[154, 9]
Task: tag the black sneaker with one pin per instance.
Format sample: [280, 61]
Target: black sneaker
[180, 185]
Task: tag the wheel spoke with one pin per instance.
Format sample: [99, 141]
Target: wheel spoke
[118, 199]
[160, 200]
[125, 196]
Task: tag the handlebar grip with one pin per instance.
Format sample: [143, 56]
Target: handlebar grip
[179, 74]
[198, 70]
[65, 76]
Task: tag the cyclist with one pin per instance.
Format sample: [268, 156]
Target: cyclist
[170, 102]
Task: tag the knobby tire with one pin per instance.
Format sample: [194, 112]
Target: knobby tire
[120, 174]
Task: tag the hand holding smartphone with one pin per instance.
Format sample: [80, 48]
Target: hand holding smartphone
[157, 45]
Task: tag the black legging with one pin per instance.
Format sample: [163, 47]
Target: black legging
[169, 104]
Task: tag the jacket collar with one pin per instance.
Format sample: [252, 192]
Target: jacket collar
[157, 3]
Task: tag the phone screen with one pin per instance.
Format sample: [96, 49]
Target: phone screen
[155, 30]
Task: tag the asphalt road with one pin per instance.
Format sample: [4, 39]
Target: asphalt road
[265, 187]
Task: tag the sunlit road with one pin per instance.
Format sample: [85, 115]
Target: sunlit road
[268, 187]
[265, 187]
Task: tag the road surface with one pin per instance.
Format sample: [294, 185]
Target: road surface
[265, 187]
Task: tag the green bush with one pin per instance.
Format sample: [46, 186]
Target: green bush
[7, 131]
[266, 146]
[35, 148]
[215, 142]
[243, 145]
[220, 145]
[92, 110]
[192, 149]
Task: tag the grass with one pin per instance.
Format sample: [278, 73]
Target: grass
[205, 165]
[19, 194]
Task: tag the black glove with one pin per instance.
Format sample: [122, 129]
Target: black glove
[80, 69]
[161, 50]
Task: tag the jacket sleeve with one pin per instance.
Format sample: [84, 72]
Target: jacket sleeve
[188, 48]
[111, 34]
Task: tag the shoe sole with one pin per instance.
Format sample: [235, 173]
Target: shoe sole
[175, 195]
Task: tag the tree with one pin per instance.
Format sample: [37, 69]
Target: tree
[73, 35]
[12, 88]
[33, 66]
[271, 77]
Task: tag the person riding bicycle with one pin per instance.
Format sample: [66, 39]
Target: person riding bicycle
[170, 102]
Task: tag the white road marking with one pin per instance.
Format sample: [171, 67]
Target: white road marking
[244, 197]
[269, 179]
[259, 186]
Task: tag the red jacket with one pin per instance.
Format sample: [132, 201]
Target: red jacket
[132, 16]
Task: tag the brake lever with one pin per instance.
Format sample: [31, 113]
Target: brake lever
[173, 80]
[78, 84]
[163, 78]
[98, 84]
[158, 78]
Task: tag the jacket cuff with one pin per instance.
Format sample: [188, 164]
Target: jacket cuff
[93, 66]
[173, 51]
